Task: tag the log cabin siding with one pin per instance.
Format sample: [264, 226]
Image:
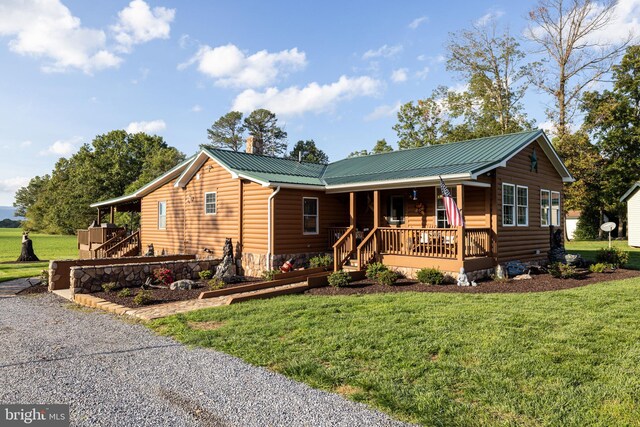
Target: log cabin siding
[210, 230]
[333, 210]
[254, 217]
[522, 242]
[170, 239]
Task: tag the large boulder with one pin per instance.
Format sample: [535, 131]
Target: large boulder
[182, 285]
[514, 268]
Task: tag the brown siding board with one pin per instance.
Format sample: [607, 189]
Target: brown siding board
[522, 242]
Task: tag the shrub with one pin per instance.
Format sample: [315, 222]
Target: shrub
[562, 271]
[613, 256]
[321, 261]
[374, 269]
[44, 276]
[143, 298]
[126, 292]
[205, 274]
[430, 276]
[598, 268]
[110, 286]
[339, 278]
[387, 278]
[216, 283]
[163, 276]
[269, 274]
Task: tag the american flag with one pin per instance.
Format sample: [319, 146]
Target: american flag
[454, 217]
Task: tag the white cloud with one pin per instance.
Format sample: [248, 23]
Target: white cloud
[230, 67]
[25, 144]
[138, 23]
[47, 29]
[383, 51]
[422, 74]
[488, 17]
[382, 111]
[151, 127]
[311, 98]
[11, 185]
[144, 73]
[624, 22]
[62, 148]
[196, 108]
[400, 75]
[417, 22]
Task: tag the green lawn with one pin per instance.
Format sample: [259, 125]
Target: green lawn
[565, 358]
[45, 246]
[588, 250]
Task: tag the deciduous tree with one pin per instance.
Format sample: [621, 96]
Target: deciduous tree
[308, 152]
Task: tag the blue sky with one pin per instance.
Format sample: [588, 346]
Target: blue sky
[334, 72]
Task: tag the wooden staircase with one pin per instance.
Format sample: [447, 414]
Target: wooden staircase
[119, 246]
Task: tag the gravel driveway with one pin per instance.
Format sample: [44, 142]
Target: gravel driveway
[116, 373]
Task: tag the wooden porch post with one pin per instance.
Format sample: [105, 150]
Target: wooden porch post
[352, 217]
[99, 216]
[112, 215]
[460, 230]
[376, 218]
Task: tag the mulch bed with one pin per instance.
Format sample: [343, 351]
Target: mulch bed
[538, 283]
[161, 296]
[37, 289]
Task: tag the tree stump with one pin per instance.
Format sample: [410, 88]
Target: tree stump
[27, 253]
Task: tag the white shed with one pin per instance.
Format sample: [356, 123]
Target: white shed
[632, 197]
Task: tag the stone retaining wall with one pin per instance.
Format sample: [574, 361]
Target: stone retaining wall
[86, 279]
[255, 264]
[59, 269]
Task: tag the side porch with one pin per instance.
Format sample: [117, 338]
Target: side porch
[407, 228]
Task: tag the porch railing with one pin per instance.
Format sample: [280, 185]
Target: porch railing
[83, 237]
[334, 234]
[367, 249]
[477, 242]
[425, 242]
[343, 248]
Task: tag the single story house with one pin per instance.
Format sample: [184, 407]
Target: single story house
[385, 207]
[632, 197]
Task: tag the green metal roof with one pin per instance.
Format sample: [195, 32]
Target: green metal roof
[270, 169]
[458, 158]
[433, 160]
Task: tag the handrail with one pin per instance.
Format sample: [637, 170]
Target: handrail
[114, 240]
[134, 239]
[424, 242]
[342, 248]
[366, 250]
[334, 233]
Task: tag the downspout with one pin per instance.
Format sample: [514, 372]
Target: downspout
[269, 231]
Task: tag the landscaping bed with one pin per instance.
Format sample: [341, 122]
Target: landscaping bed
[161, 296]
[538, 283]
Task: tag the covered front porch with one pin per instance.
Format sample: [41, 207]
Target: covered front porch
[408, 228]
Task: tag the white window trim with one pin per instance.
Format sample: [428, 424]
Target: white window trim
[518, 205]
[551, 209]
[162, 202]
[439, 193]
[310, 233]
[514, 216]
[205, 203]
[548, 209]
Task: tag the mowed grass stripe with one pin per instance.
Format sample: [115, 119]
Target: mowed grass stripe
[553, 358]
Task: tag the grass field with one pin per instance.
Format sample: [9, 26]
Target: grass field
[552, 358]
[588, 250]
[45, 246]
